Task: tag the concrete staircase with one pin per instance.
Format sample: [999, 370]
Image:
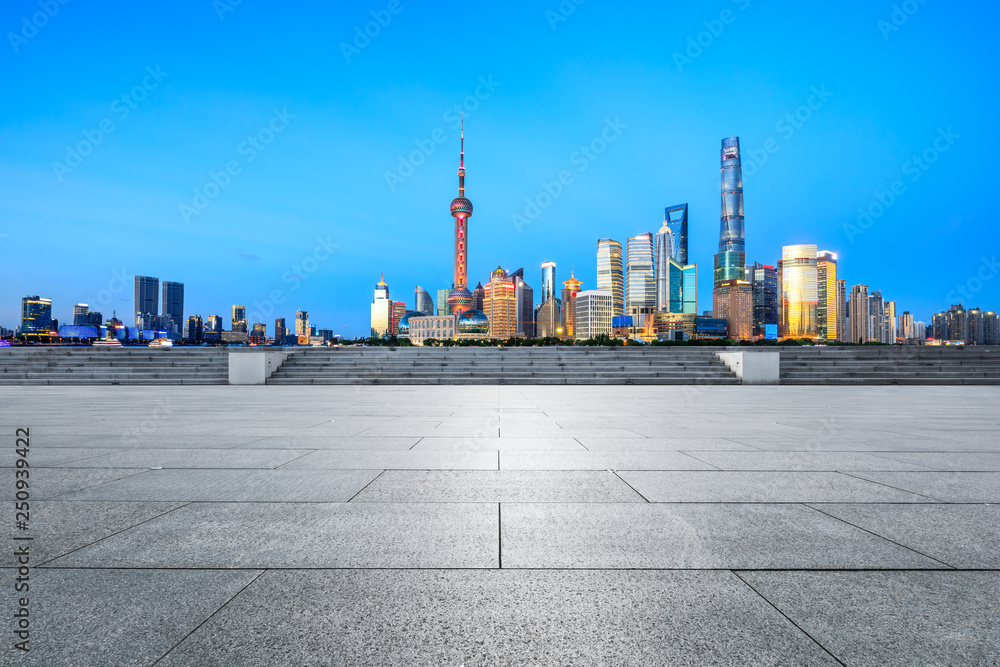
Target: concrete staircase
[120, 365]
[518, 365]
[908, 365]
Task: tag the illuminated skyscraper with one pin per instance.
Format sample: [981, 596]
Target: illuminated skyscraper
[764, 279]
[733, 302]
[876, 317]
[842, 333]
[906, 325]
[524, 298]
[689, 289]
[442, 302]
[398, 313]
[859, 325]
[214, 323]
[302, 316]
[279, 330]
[890, 327]
[609, 273]
[460, 298]
[477, 297]
[239, 319]
[381, 312]
[422, 301]
[36, 316]
[80, 314]
[499, 305]
[799, 297]
[731, 259]
[146, 301]
[570, 289]
[548, 280]
[173, 305]
[195, 330]
[676, 220]
[640, 282]
[826, 308]
[664, 249]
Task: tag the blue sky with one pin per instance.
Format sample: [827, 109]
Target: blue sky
[309, 129]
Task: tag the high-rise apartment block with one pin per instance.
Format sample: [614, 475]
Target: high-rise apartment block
[859, 313]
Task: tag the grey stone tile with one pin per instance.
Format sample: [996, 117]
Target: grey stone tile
[129, 439]
[599, 443]
[952, 461]
[395, 460]
[120, 617]
[761, 487]
[192, 458]
[532, 432]
[963, 536]
[495, 486]
[654, 536]
[43, 457]
[48, 483]
[398, 429]
[289, 535]
[494, 444]
[498, 617]
[892, 618]
[600, 460]
[958, 487]
[60, 527]
[802, 461]
[276, 486]
[839, 441]
[334, 442]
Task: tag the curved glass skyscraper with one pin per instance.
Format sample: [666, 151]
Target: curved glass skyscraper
[730, 262]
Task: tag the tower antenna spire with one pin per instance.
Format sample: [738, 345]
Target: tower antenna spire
[461, 163]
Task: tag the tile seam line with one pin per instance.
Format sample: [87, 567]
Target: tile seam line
[883, 537]
[615, 473]
[362, 488]
[301, 456]
[787, 618]
[119, 532]
[890, 486]
[211, 616]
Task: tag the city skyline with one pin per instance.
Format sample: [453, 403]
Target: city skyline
[834, 154]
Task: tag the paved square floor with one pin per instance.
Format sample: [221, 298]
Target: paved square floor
[506, 525]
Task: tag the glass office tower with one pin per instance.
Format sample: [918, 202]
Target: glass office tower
[689, 289]
[640, 283]
[731, 259]
[36, 316]
[173, 304]
[147, 304]
[80, 314]
[609, 273]
[664, 248]
[422, 301]
[799, 297]
[548, 280]
[764, 279]
[676, 219]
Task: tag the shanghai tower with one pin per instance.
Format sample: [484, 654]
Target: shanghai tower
[731, 259]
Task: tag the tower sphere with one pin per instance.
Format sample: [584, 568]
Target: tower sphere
[461, 205]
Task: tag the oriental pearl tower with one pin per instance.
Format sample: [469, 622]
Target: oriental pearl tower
[460, 298]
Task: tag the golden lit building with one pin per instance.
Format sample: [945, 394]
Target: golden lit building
[798, 298]
[570, 289]
[381, 313]
[732, 301]
[828, 306]
[500, 305]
